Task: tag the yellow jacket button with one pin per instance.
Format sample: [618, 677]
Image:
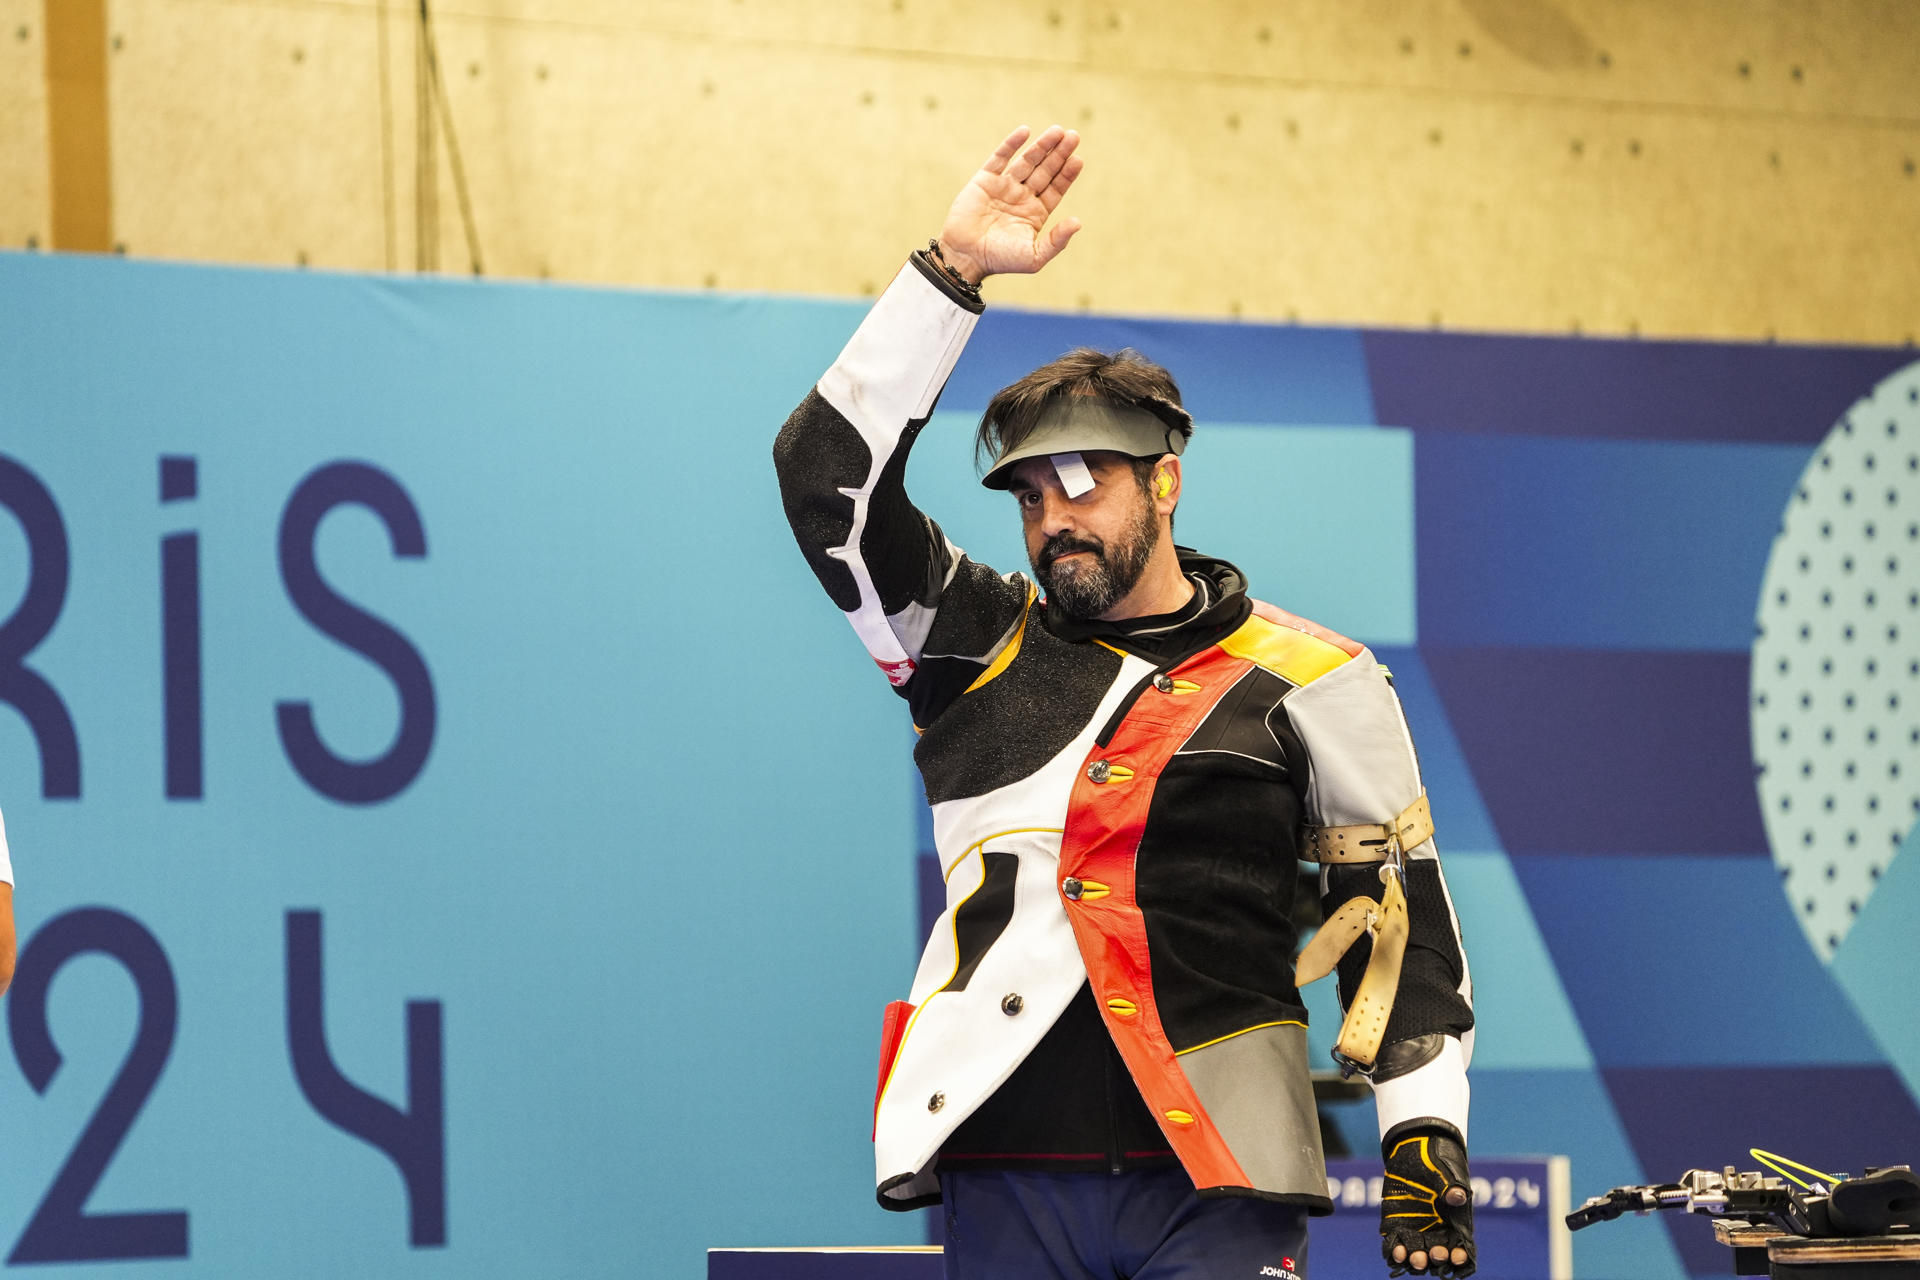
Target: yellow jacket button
[1180, 1117]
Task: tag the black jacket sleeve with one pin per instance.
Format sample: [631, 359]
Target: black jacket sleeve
[931, 618]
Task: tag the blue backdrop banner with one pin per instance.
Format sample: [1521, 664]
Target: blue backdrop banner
[455, 836]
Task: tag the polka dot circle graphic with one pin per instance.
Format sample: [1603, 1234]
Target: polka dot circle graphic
[1836, 664]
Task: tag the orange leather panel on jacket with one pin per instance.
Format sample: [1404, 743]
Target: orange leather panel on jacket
[1105, 821]
[893, 1029]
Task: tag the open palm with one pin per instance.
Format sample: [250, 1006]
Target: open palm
[998, 222]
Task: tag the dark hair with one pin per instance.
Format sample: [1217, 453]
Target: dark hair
[1123, 377]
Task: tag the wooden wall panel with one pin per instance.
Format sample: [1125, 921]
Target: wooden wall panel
[247, 132]
[24, 210]
[1818, 57]
[1654, 166]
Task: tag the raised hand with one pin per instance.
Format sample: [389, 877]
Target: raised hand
[998, 222]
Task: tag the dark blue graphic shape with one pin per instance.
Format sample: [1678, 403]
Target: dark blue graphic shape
[930, 893]
[180, 666]
[414, 1139]
[61, 1230]
[1595, 543]
[1648, 949]
[26, 690]
[1835, 1118]
[1460, 820]
[179, 478]
[1502, 385]
[348, 781]
[1597, 751]
[1571, 1111]
[1227, 372]
[930, 885]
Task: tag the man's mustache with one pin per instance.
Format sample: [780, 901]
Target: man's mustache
[1062, 544]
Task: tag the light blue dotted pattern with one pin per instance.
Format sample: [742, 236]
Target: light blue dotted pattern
[1836, 664]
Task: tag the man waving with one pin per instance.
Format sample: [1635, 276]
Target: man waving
[1101, 1066]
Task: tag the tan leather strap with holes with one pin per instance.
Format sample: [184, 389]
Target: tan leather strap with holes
[1344, 928]
[1368, 841]
[1366, 1021]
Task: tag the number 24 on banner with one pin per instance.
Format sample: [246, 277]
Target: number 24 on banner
[61, 1229]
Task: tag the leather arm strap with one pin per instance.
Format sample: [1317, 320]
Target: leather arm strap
[1366, 1021]
[1385, 842]
[1369, 841]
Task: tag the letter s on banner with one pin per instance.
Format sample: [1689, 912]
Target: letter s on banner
[354, 782]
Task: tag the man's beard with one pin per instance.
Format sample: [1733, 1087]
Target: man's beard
[1088, 586]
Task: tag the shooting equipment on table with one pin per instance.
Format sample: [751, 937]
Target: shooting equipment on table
[1757, 1209]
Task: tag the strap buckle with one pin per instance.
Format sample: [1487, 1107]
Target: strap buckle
[1394, 865]
[1350, 1067]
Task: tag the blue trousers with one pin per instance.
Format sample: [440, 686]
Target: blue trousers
[1146, 1224]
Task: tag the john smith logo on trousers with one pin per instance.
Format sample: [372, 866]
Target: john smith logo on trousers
[1284, 1271]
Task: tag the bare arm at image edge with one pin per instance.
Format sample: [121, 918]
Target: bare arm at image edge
[6, 911]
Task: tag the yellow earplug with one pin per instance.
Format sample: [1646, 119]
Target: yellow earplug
[1166, 483]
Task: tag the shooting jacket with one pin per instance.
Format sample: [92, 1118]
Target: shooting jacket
[1107, 819]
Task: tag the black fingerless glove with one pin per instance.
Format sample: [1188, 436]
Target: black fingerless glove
[1426, 1157]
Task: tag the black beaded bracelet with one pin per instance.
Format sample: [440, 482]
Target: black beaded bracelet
[960, 282]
